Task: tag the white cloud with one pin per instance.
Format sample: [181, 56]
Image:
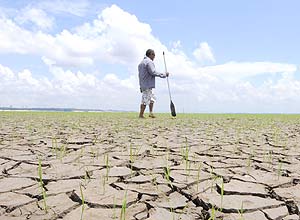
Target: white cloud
[14, 39]
[26, 76]
[63, 49]
[117, 37]
[66, 89]
[78, 7]
[234, 71]
[176, 45]
[129, 83]
[35, 16]
[6, 73]
[204, 53]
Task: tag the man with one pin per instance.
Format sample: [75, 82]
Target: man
[147, 74]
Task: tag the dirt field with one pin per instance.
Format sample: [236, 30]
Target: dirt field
[96, 166]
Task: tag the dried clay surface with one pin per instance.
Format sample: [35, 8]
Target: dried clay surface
[117, 166]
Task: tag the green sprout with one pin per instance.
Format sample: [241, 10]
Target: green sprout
[82, 202]
[198, 176]
[222, 193]
[124, 206]
[41, 183]
[241, 212]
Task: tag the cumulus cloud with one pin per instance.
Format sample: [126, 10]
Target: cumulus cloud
[114, 37]
[26, 76]
[6, 73]
[66, 88]
[117, 38]
[204, 53]
[78, 7]
[36, 16]
[235, 71]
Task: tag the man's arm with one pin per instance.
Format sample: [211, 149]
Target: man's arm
[152, 71]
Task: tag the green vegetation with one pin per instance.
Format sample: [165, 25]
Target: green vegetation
[106, 159]
[41, 183]
[82, 202]
[241, 212]
[212, 214]
[124, 206]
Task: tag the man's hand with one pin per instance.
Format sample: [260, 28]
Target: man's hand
[167, 74]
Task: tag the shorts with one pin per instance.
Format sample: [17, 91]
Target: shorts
[147, 97]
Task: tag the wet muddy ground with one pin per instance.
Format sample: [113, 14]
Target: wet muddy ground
[116, 166]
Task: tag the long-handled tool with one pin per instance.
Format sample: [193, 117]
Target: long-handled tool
[172, 106]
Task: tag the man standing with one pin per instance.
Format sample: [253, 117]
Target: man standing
[147, 74]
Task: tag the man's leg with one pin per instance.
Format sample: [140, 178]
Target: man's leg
[151, 109]
[142, 110]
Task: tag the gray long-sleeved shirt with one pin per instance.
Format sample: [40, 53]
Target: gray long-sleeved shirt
[147, 74]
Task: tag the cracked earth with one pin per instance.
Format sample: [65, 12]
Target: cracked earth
[100, 165]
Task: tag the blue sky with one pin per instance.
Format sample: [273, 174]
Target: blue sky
[223, 56]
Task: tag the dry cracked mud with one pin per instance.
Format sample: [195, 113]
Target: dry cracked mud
[116, 166]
